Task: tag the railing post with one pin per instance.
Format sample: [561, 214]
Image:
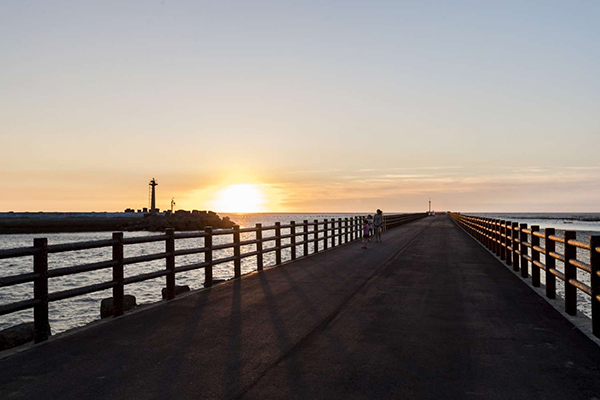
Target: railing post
[513, 238]
[508, 242]
[259, 248]
[316, 234]
[535, 256]
[499, 238]
[305, 238]
[483, 232]
[118, 275]
[481, 226]
[346, 228]
[488, 234]
[492, 236]
[502, 231]
[349, 228]
[333, 232]
[170, 260]
[293, 239]
[41, 325]
[472, 228]
[341, 231]
[278, 243]
[523, 248]
[325, 235]
[570, 273]
[237, 261]
[550, 246]
[595, 283]
[208, 244]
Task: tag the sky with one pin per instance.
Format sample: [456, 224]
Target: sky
[300, 106]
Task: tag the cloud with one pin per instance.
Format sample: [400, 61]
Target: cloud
[464, 188]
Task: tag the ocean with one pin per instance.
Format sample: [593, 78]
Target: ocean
[79, 311]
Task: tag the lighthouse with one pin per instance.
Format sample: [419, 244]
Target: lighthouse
[153, 184]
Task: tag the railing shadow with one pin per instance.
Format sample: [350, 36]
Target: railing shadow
[185, 345]
[233, 361]
[293, 365]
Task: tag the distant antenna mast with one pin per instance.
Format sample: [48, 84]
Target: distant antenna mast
[430, 205]
[153, 185]
[172, 203]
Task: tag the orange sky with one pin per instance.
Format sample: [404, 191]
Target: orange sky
[526, 189]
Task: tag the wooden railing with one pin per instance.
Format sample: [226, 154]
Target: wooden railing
[519, 247]
[322, 234]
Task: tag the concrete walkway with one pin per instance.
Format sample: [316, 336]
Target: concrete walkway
[428, 314]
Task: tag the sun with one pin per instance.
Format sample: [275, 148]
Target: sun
[240, 198]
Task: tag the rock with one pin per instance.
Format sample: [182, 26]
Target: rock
[216, 282]
[178, 290]
[107, 308]
[182, 220]
[16, 335]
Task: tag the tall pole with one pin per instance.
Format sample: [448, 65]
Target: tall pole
[430, 205]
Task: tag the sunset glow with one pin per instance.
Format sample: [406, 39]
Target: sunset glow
[488, 106]
[240, 198]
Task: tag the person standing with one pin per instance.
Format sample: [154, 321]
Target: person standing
[365, 234]
[378, 222]
[370, 222]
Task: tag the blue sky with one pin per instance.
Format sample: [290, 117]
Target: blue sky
[343, 106]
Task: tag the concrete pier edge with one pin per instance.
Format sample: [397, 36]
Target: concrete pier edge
[580, 321]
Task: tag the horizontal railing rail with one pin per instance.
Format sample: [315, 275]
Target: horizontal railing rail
[519, 246]
[324, 234]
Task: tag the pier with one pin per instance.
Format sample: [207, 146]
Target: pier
[429, 313]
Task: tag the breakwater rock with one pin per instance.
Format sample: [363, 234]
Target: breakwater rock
[182, 221]
[107, 306]
[17, 335]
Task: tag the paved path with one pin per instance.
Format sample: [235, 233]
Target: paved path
[428, 314]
